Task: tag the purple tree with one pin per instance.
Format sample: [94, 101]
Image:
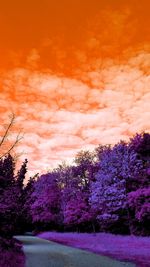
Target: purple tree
[139, 199]
[77, 212]
[11, 196]
[28, 200]
[21, 175]
[7, 167]
[8, 197]
[74, 199]
[11, 253]
[139, 204]
[45, 207]
[108, 194]
[10, 249]
[140, 143]
[21, 197]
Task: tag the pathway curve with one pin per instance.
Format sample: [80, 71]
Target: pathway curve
[43, 253]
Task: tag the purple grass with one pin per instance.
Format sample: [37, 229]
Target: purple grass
[127, 248]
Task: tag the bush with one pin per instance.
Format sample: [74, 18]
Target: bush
[11, 253]
[139, 210]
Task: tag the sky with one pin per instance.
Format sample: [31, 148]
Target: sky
[75, 73]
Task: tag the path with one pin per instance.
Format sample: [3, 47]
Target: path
[43, 253]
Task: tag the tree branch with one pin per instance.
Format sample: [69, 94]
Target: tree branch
[7, 130]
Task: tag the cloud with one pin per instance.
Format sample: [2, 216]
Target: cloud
[61, 115]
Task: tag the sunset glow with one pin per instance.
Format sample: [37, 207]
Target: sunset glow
[75, 73]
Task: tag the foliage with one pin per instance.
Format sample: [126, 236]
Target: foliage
[10, 208]
[12, 197]
[8, 197]
[97, 190]
[118, 165]
[21, 198]
[45, 207]
[139, 205]
[11, 253]
[140, 143]
[76, 210]
[28, 200]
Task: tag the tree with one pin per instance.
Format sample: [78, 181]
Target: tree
[45, 207]
[11, 253]
[76, 210]
[28, 201]
[140, 143]
[21, 197]
[74, 197]
[11, 196]
[21, 175]
[139, 189]
[139, 205]
[7, 167]
[8, 200]
[109, 192]
[86, 163]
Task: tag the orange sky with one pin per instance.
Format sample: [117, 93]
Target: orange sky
[75, 73]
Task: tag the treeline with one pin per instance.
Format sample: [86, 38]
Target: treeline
[105, 190]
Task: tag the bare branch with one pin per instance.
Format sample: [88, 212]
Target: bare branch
[18, 138]
[6, 133]
[7, 129]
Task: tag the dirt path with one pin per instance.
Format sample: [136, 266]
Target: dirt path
[43, 253]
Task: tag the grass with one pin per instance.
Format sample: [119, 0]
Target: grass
[125, 248]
